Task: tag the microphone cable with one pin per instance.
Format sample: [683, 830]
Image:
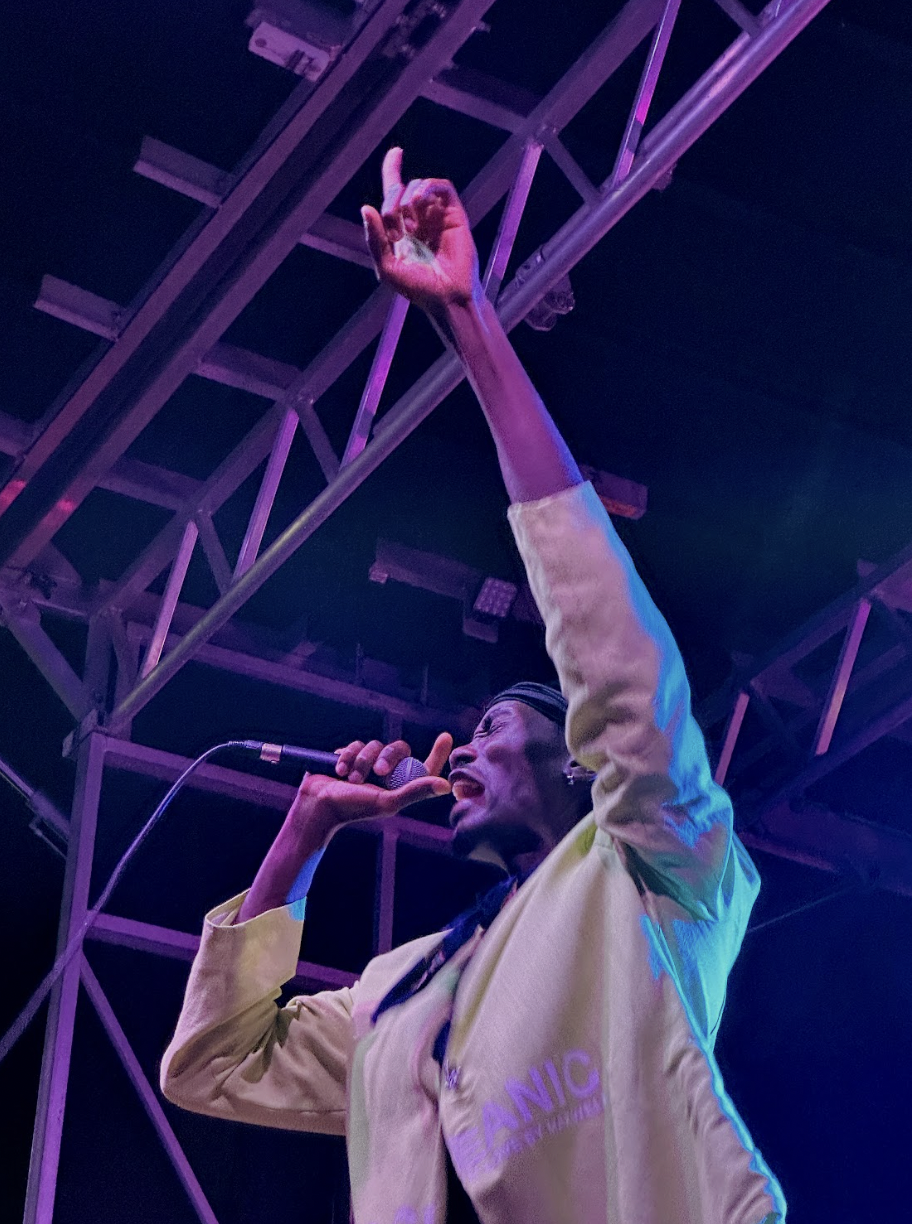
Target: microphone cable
[407, 770]
[25, 1017]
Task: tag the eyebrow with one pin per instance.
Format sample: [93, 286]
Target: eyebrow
[495, 711]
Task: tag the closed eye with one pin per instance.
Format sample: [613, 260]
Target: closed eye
[487, 726]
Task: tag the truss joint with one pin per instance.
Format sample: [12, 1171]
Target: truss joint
[93, 721]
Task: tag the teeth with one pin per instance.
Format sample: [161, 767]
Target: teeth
[465, 790]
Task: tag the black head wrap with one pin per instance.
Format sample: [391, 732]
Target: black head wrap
[548, 701]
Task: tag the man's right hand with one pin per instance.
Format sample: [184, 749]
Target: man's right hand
[323, 805]
[332, 802]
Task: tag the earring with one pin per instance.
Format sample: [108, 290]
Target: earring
[575, 773]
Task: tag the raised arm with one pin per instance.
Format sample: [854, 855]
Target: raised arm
[423, 247]
[630, 719]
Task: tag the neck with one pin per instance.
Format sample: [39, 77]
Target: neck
[522, 865]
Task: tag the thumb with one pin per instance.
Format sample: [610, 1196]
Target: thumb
[439, 754]
[375, 234]
[416, 790]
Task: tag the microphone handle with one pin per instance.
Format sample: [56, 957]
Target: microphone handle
[315, 761]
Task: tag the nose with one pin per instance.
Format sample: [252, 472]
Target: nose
[465, 754]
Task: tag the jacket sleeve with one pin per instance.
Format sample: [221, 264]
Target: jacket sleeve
[236, 1054]
[629, 717]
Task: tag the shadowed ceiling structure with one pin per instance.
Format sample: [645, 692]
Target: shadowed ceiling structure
[243, 494]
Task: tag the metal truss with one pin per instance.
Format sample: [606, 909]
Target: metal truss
[256, 217]
[98, 752]
[832, 689]
[640, 164]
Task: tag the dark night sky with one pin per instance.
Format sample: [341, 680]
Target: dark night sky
[740, 345]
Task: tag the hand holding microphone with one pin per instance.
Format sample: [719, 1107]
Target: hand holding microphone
[326, 802]
[392, 763]
[372, 779]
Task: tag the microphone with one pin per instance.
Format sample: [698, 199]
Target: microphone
[315, 761]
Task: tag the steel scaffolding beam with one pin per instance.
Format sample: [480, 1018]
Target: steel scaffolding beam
[58, 1041]
[244, 650]
[259, 223]
[146, 1094]
[302, 389]
[20, 616]
[817, 717]
[178, 945]
[672, 136]
[278, 199]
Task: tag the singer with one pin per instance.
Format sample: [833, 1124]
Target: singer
[549, 1058]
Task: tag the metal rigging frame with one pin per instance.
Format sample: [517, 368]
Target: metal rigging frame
[276, 199]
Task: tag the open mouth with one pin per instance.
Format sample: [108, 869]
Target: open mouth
[465, 790]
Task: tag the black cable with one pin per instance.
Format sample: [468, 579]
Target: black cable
[25, 1017]
[808, 905]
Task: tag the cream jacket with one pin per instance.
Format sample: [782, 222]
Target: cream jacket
[579, 1085]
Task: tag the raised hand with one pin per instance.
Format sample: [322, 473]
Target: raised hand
[421, 243]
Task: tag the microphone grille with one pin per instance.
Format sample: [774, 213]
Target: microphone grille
[406, 771]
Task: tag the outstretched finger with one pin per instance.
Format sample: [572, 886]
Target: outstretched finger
[439, 754]
[391, 173]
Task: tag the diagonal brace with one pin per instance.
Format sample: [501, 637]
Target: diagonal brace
[718, 89]
[146, 1094]
[23, 620]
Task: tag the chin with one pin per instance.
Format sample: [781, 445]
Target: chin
[486, 842]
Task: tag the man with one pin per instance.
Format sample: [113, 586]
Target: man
[549, 1059]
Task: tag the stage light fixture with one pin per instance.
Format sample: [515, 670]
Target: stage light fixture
[495, 598]
[302, 37]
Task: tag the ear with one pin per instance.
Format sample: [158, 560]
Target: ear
[578, 775]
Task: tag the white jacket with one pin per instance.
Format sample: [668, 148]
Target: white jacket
[579, 1085]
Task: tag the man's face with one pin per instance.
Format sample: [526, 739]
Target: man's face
[511, 797]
